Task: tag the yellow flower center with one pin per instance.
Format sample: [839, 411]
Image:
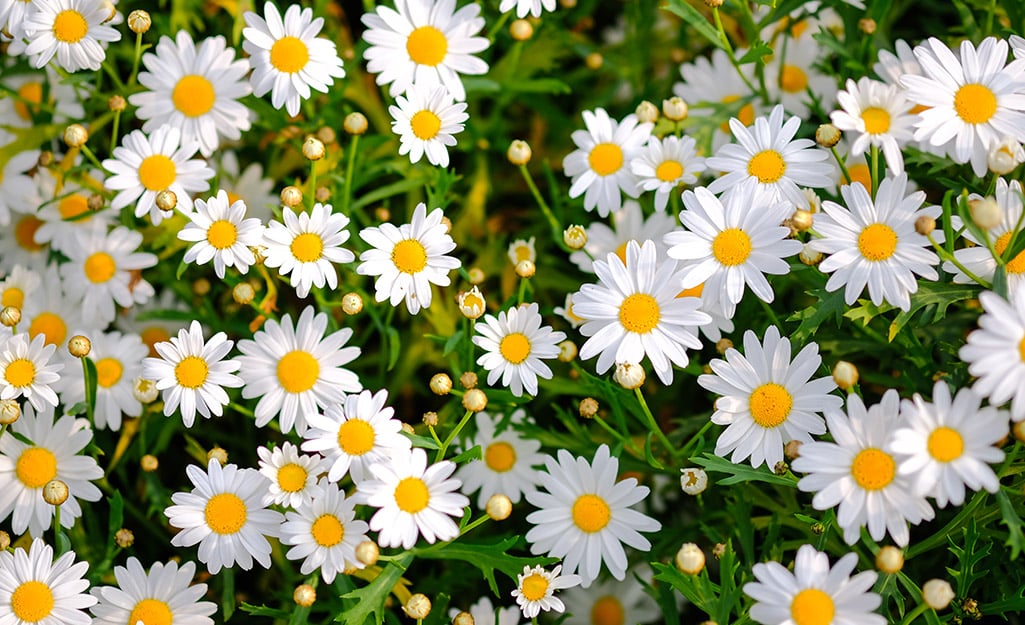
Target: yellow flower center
[151, 612]
[811, 606]
[605, 158]
[770, 405]
[669, 171]
[233, 197]
[877, 242]
[427, 46]
[307, 247]
[409, 256]
[29, 93]
[356, 437]
[877, 120]
[191, 372]
[35, 467]
[193, 95]
[1015, 265]
[20, 373]
[534, 587]
[873, 469]
[25, 233]
[859, 173]
[767, 166]
[327, 530]
[591, 513]
[292, 478]
[225, 513]
[522, 252]
[73, 206]
[157, 172]
[12, 296]
[69, 26]
[153, 335]
[411, 495]
[298, 371]
[515, 347]
[32, 601]
[425, 124]
[731, 247]
[793, 80]
[500, 457]
[607, 610]
[640, 313]
[289, 55]
[975, 103]
[108, 372]
[945, 444]
[100, 267]
[222, 234]
[49, 325]
[746, 115]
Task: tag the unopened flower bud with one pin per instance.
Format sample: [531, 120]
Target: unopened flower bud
[352, 303]
[575, 237]
[475, 400]
[55, 492]
[521, 30]
[463, 618]
[10, 411]
[526, 268]
[45, 158]
[714, 4]
[201, 287]
[166, 200]
[468, 379]
[867, 25]
[75, 135]
[313, 149]
[588, 407]
[327, 134]
[417, 607]
[139, 21]
[291, 196]
[937, 594]
[519, 152]
[430, 418]
[145, 391]
[219, 454]
[845, 375]
[568, 351]
[96, 202]
[810, 256]
[79, 346]
[476, 275]
[924, 225]
[116, 103]
[124, 538]
[675, 109]
[629, 375]
[367, 552]
[986, 213]
[722, 345]
[243, 293]
[792, 450]
[801, 220]
[646, 112]
[594, 61]
[471, 303]
[498, 507]
[693, 481]
[408, 429]
[690, 559]
[355, 123]
[10, 316]
[890, 560]
[1005, 156]
[781, 468]
[322, 194]
[441, 384]
[304, 595]
[5, 540]
[149, 463]
[827, 135]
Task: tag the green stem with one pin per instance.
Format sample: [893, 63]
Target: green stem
[452, 436]
[652, 423]
[875, 170]
[521, 295]
[842, 164]
[552, 221]
[135, 60]
[945, 255]
[939, 539]
[481, 520]
[313, 184]
[912, 615]
[92, 157]
[729, 49]
[90, 397]
[350, 167]
[494, 30]
[58, 530]
[694, 439]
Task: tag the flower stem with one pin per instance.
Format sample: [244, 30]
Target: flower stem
[552, 221]
[912, 615]
[452, 436]
[875, 170]
[652, 423]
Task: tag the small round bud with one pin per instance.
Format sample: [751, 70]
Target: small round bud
[810, 256]
[55, 492]
[867, 25]
[781, 468]
[418, 606]
[96, 202]
[10, 316]
[475, 400]
[441, 384]
[166, 200]
[201, 287]
[45, 158]
[594, 61]
[355, 123]
[646, 112]
[149, 463]
[408, 429]
[526, 268]
[588, 407]
[219, 454]
[5, 540]
[521, 30]
[124, 538]
[75, 135]
[313, 149]
[352, 303]
[430, 418]
[575, 237]
[818, 529]
[367, 552]
[801, 220]
[986, 213]
[890, 560]
[845, 375]
[476, 275]
[463, 618]
[468, 379]
[722, 345]
[327, 134]
[827, 135]
[116, 103]
[498, 507]
[519, 152]
[10, 411]
[792, 450]
[304, 595]
[629, 375]
[471, 303]
[714, 4]
[139, 21]
[690, 559]
[719, 550]
[924, 225]
[445, 221]
[144, 391]
[568, 351]
[1005, 156]
[1018, 429]
[675, 109]
[243, 293]
[322, 194]
[382, 213]
[291, 196]
[693, 481]
[79, 346]
[937, 594]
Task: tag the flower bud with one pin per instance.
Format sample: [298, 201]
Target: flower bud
[139, 21]
[827, 135]
[367, 552]
[924, 225]
[304, 595]
[418, 606]
[471, 303]
[568, 351]
[646, 112]
[475, 400]
[468, 379]
[430, 419]
[441, 384]
[890, 560]
[45, 158]
[10, 316]
[124, 538]
[792, 450]
[79, 346]
[594, 61]
[55, 492]
[355, 123]
[986, 213]
[327, 134]
[801, 220]
[10, 411]
[322, 194]
[575, 237]
[219, 454]
[5, 540]
[96, 202]
[116, 103]
[675, 109]
[714, 4]
[498, 507]
[526, 268]
[352, 303]
[145, 391]
[629, 375]
[519, 152]
[75, 135]
[201, 287]
[722, 345]
[166, 200]
[463, 618]
[149, 463]
[690, 559]
[588, 407]
[937, 594]
[867, 25]
[291, 196]
[521, 30]
[810, 256]
[693, 481]
[845, 375]
[1005, 156]
[243, 293]
[313, 149]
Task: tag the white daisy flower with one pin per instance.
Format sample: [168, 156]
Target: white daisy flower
[880, 114]
[628, 224]
[566, 312]
[813, 592]
[890, 66]
[292, 476]
[62, 102]
[146, 165]
[585, 516]
[17, 189]
[306, 245]
[325, 534]
[858, 475]
[71, 30]
[978, 258]
[633, 312]
[36, 589]
[354, 433]
[52, 314]
[425, 121]
[766, 400]
[287, 56]
[732, 243]
[53, 452]
[522, 249]
[666, 164]
[712, 86]
[874, 243]
[194, 89]
[995, 353]
[26, 370]
[792, 76]
[222, 233]
[426, 43]
[527, 7]
[18, 287]
[296, 370]
[973, 102]
[118, 360]
[507, 461]
[409, 258]
[248, 185]
[947, 444]
[600, 166]
[156, 321]
[535, 589]
[486, 613]
[65, 213]
[611, 601]
[412, 499]
[768, 154]
[192, 373]
[104, 269]
[226, 516]
[18, 244]
[515, 342]
[165, 594]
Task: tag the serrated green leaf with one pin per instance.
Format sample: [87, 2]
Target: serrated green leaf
[368, 601]
[759, 50]
[938, 294]
[740, 472]
[698, 21]
[262, 610]
[473, 453]
[698, 589]
[485, 556]
[1010, 518]
[969, 554]
[828, 305]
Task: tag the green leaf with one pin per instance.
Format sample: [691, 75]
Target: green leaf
[740, 472]
[182, 266]
[538, 85]
[1014, 604]
[1010, 518]
[932, 299]
[424, 442]
[474, 84]
[969, 554]
[262, 610]
[1000, 281]
[89, 369]
[394, 346]
[756, 53]
[485, 556]
[452, 343]
[368, 601]
[827, 305]
[473, 453]
[698, 589]
[410, 182]
[694, 17]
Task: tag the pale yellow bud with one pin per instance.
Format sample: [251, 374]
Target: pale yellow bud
[430, 419]
[243, 293]
[646, 112]
[468, 379]
[526, 268]
[476, 275]
[463, 618]
[352, 303]
[810, 256]
[313, 149]
[937, 594]
[139, 21]
[116, 103]
[367, 552]
[801, 220]
[417, 607]
[675, 109]
[55, 492]
[629, 375]
[219, 454]
[145, 391]
[519, 152]
[75, 135]
[441, 384]
[690, 559]
[10, 316]
[124, 538]
[828, 135]
[1004, 157]
[304, 595]
[792, 449]
[10, 411]
[986, 213]
[890, 560]
[471, 303]
[845, 375]
[567, 351]
[924, 225]
[166, 200]
[327, 135]
[291, 196]
[575, 237]
[521, 30]
[498, 507]
[475, 400]
[355, 123]
[79, 346]
[588, 407]
[594, 61]
[149, 463]
[693, 480]
[5, 540]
